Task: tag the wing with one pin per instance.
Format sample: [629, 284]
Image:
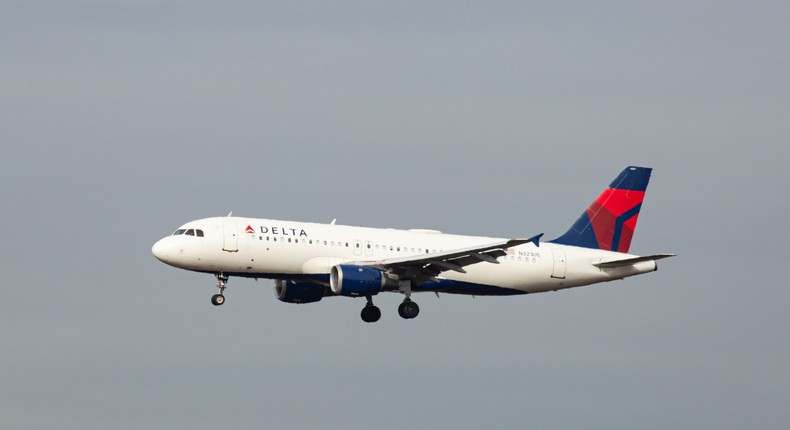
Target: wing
[421, 268]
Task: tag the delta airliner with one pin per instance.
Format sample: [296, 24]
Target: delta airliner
[310, 261]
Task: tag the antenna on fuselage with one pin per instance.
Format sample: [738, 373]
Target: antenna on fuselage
[230, 214]
[333, 222]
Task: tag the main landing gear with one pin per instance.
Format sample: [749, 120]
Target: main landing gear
[407, 310]
[370, 313]
[218, 299]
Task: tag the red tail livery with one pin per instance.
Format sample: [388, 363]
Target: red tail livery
[610, 221]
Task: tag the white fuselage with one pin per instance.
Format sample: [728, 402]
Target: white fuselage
[264, 248]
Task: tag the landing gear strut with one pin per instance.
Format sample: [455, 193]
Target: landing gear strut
[218, 299]
[370, 313]
[408, 309]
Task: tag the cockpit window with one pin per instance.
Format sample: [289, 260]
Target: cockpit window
[190, 232]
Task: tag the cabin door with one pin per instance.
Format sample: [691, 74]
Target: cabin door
[559, 264]
[230, 241]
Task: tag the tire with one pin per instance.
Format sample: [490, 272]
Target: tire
[370, 314]
[411, 310]
[408, 309]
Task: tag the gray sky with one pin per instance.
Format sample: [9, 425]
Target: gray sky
[122, 120]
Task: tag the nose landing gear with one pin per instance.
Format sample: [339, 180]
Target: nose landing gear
[218, 299]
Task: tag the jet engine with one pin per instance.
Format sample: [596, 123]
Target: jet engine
[298, 292]
[353, 281]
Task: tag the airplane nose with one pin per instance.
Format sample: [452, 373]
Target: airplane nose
[160, 250]
[169, 250]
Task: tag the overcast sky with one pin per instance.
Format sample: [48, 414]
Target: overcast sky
[121, 120]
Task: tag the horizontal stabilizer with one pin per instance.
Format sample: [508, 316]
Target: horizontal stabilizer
[631, 261]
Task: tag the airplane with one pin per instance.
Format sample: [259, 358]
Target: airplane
[310, 261]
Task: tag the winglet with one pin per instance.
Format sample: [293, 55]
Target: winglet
[516, 242]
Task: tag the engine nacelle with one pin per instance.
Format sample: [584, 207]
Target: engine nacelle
[298, 292]
[350, 280]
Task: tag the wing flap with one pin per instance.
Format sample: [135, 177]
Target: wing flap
[493, 250]
[431, 265]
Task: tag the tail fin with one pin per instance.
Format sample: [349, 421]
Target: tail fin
[610, 221]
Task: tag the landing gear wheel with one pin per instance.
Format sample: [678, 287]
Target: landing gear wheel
[217, 299]
[408, 309]
[370, 313]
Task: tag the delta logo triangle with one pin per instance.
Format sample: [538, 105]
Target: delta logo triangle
[249, 229]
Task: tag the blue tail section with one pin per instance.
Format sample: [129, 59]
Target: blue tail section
[609, 222]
